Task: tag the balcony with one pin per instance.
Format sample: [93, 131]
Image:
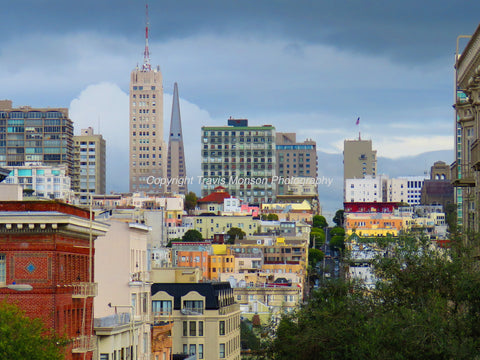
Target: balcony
[462, 175]
[224, 310]
[138, 278]
[84, 290]
[83, 344]
[475, 152]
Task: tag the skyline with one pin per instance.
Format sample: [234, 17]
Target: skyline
[312, 68]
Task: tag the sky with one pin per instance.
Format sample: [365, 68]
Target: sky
[306, 66]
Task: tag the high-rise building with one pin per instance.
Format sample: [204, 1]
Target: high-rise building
[176, 169]
[35, 135]
[89, 167]
[240, 158]
[294, 159]
[358, 159]
[147, 147]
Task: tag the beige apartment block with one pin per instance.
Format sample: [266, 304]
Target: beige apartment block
[210, 225]
[89, 167]
[122, 308]
[465, 169]
[206, 319]
[147, 147]
[359, 159]
[295, 160]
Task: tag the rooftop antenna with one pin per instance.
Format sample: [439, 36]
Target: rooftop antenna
[146, 54]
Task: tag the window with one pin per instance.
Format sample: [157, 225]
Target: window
[222, 351]
[185, 348]
[185, 328]
[200, 351]
[103, 356]
[3, 269]
[221, 328]
[193, 349]
[195, 306]
[193, 328]
[162, 307]
[200, 329]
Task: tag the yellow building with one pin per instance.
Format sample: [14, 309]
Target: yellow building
[221, 261]
[206, 319]
[210, 225]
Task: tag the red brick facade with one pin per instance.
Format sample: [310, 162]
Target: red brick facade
[51, 252]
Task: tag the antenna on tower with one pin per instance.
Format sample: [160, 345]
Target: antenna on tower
[146, 54]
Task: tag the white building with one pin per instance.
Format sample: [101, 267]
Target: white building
[395, 190]
[414, 188]
[49, 181]
[369, 189]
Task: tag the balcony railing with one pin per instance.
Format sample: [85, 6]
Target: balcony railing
[83, 344]
[462, 175]
[139, 277]
[84, 289]
[229, 309]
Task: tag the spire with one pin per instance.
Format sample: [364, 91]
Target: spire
[146, 54]
[176, 168]
[175, 120]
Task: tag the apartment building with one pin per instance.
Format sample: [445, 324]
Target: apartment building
[29, 134]
[241, 158]
[89, 169]
[295, 159]
[48, 181]
[465, 169]
[122, 307]
[47, 247]
[205, 317]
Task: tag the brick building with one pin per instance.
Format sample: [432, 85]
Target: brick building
[49, 245]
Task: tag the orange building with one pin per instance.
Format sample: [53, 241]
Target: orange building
[373, 224]
[194, 258]
[222, 261]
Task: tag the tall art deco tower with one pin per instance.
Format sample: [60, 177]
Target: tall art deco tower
[176, 170]
[147, 148]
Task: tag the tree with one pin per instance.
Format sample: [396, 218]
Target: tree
[319, 221]
[317, 237]
[272, 217]
[337, 242]
[192, 235]
[24, 338]
[425, 306]
[235, 233]
[190, 201]
[337, 231]
[314, 256]
[249, 340]
[339, 218]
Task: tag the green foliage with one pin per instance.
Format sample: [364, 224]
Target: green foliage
[338, 242]
[249, 340]
[190, 201]
[426, 307]
[272, 217]
[339, 218]
[314, 256]
[317, 236]
[337, 231]
[235, 233]
[24, 338]
[192, 235]
[319, 221]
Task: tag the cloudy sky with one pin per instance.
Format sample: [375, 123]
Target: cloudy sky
[305, 66]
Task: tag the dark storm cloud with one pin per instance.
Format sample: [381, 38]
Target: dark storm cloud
[407, 31]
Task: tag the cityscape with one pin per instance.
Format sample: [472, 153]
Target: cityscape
[239, 181]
